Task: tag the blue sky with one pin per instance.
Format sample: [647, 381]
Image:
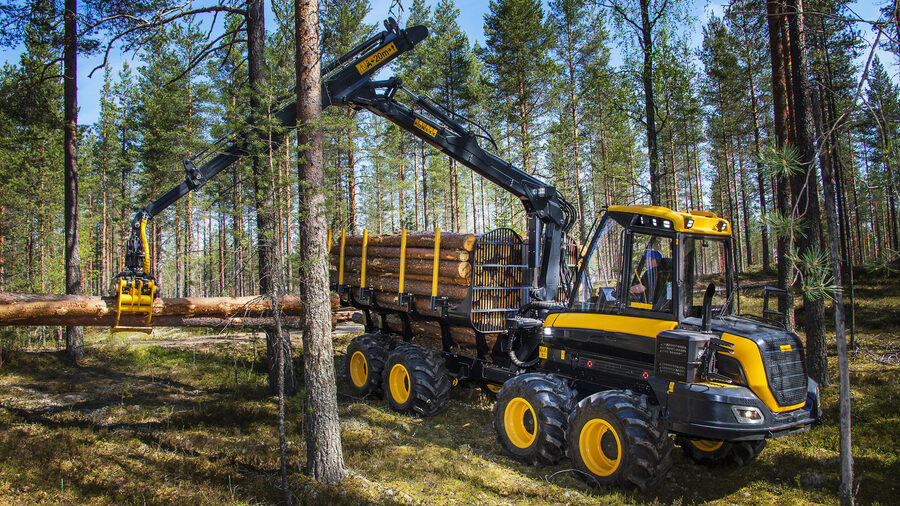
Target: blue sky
[471, 20]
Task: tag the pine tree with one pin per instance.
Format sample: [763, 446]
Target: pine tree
[648, 21]
[516, 53]
[581, 52]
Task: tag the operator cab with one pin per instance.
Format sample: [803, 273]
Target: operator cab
[653, 262]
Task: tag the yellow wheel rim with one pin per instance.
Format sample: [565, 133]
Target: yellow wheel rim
[399, 384]
[520, 422]
[707, 445]
[600, 447]
[494, 388]
[359, 369]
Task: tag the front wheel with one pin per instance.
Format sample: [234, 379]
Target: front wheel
[717, 452]
[530, 418]
[617, 438]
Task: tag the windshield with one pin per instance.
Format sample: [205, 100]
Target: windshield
[600, 276]
[706, 260]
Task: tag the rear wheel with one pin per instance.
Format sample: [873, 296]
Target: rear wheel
[416, 380]
[530, 417]
[363, 364]
[717, 452]
[617, 438]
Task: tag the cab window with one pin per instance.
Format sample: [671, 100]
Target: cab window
[650, 273]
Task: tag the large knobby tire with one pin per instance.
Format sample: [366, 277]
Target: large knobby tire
[416, 380]
[617, 438]
[530, 417]
[364, 363]
[717, 452]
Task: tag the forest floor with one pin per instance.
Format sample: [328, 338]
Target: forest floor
[185, 418]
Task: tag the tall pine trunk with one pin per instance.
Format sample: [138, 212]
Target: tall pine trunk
[775, 20]
[806, 192]
[649, 106]
[324, 458]
[74, 335]
[263, 189]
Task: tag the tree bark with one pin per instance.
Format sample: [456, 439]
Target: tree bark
[324, 458]
[831, 188]
[649, 106]
[74, 335]
[806, 189]
[262, 185]
[775, 20]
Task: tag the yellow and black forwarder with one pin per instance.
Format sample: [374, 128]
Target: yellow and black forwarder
[609, 356]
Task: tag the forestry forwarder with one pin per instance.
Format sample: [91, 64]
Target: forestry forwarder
[638, 349]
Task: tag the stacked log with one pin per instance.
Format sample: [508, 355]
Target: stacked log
[383, 266]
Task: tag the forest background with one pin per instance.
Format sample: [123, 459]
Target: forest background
[570, 109]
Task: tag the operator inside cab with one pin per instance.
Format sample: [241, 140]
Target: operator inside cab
[652, 282]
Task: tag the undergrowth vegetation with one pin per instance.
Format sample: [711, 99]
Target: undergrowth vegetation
[190, 421]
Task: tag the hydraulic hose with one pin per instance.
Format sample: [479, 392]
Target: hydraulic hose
[514, 358]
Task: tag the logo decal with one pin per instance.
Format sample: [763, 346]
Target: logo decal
[379, 56]
[425, 127]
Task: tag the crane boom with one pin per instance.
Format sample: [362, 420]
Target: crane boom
[348, 82]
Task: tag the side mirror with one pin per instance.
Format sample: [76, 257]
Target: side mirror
[707, 307]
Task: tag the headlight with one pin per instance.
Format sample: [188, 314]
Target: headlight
[748, 414]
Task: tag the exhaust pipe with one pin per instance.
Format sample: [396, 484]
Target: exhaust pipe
[706, 325]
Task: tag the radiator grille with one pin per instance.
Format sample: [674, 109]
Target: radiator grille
[498, 279]
[785, 370]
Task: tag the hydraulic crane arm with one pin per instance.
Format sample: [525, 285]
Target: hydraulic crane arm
[340, 78]
[550, 216]
[136, 286]
[348, 82]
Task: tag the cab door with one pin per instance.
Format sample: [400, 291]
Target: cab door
[625, 295]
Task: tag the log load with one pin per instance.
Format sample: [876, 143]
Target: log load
[414, 286]
[453, 255]
[77, 310]
[449, 241]
[374, 265]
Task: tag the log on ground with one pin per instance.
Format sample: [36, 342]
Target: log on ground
[54, 309]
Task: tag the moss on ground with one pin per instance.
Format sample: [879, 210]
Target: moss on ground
[164, 424]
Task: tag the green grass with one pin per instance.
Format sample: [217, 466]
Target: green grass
[163, 425]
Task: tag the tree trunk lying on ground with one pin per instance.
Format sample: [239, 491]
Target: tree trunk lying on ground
[23, 309]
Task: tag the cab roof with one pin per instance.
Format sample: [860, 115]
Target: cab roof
[691, 222]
